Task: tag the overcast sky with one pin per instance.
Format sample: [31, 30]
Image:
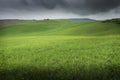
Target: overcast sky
[41, 9]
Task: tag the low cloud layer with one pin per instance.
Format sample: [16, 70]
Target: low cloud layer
[77, 7]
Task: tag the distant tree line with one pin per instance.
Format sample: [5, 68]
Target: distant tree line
[46, 19]
[117, 21]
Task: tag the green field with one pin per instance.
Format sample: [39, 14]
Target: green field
[60, 50]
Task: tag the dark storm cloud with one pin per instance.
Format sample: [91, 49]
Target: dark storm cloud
[48, 4]
[75, 6]
[103, 5]
[92, 6]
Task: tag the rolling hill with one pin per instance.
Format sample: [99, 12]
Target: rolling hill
[62, 27]
[60, 50]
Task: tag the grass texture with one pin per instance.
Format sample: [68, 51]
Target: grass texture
[60, 50]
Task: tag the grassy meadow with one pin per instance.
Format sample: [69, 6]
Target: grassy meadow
[60, 50]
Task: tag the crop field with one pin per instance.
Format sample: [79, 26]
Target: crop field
[60, 50]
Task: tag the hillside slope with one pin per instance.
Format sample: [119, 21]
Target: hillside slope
[60, 50]
[52, 27]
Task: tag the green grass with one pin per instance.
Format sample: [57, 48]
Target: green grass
[60, 28]
[60, 50]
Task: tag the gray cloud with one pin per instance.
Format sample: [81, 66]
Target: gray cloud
[92, 6]
[80, 7]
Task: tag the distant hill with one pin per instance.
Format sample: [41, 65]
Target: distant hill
[8, 21]
[12, 21]
[79, 19]
[60, 27]
[15, 21]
